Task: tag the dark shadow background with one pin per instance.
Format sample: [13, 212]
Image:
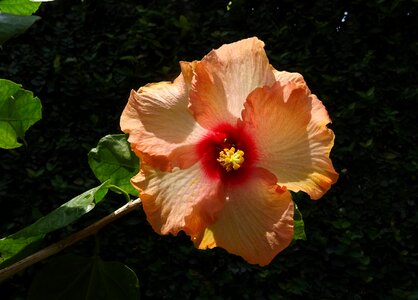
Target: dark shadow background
[360, 57]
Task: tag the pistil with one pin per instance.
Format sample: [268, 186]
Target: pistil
[231, 159]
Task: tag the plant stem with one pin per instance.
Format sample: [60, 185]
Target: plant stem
[75, 237]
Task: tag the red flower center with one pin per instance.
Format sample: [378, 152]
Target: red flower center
[227, 153]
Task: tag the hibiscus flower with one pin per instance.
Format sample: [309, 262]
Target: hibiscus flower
[221, 147]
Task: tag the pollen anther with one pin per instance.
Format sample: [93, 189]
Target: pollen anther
[231, 159]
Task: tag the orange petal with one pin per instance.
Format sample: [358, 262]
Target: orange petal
[180, 200]
[289, 125]
[161, 129]
[284, 77]
[256, 221]
[225, 77]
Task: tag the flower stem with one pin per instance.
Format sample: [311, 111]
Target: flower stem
[75, 237]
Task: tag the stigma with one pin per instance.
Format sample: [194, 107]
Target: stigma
[231, 159]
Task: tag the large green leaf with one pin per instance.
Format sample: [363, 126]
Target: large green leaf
[12, 245]
[113, 160]
[19, 7]
[16, 17]
[18, 111]
[13, 25]
[74, 277]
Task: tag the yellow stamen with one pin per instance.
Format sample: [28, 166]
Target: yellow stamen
[229, 159]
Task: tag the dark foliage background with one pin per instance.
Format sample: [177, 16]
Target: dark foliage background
[360, 57]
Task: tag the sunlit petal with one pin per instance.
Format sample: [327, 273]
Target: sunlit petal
[284, 77]
[256, 221]
[225, 77]
[179, 200]
[161, 129]
[289, 125]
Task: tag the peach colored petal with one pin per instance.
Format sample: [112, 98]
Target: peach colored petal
[320, 115]
[255, 223]
[225, 77]
[284, 77]
[180, 200]
[289, 125]
[161, 129]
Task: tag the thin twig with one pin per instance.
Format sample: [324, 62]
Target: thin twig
[75, 237]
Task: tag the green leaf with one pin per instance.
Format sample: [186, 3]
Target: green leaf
[74, 277]
[19, 7]
[113, 160]
[298, 225]
[13, 25]
[67, 213]
[19, 110]
[16, 17]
